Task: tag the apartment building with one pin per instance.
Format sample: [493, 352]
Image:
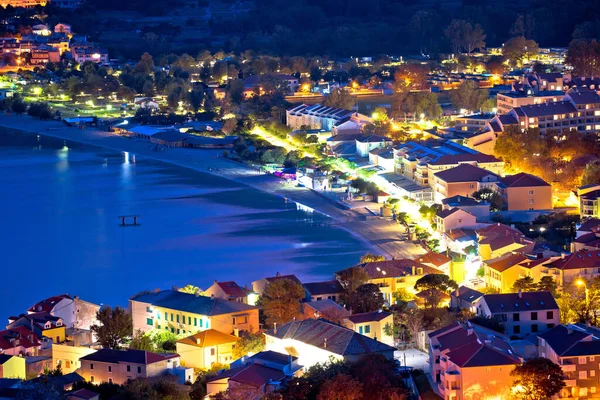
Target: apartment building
[183, 313]
[463, 180]
[589, 201]
[521, 313]
[516, 99]
[525, 192]
[453, 218]
[472, 123]
[498, 239]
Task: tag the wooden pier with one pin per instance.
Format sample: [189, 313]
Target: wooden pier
[129, 220]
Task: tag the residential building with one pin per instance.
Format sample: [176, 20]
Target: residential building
[521, 313]
[231, 291]
[453, 218]
[183, 313]
[583, 264]
[464, 298]
[463, 180]
[327, 309]
[260, 285]
[589, 201]
[253, 377]
[501, 273]
[498, 239]
[12, 366]
[63, 28]
[19, 341]
[525, 192]
[319, 116]
[82, 54]
[74, 312]
[365, 144]
[317, 341]
[469, 361]
[439, 261]
[383, 157]
[323, 290]
[67, 356]
[515, 99]
[42, 324]
[479, 209]
[393, 275]
[575, 349]
[122, 366]
[471, 123]
[372, 324]
[205, 348]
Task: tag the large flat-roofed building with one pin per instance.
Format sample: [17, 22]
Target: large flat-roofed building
[319, 116]
[508, 101]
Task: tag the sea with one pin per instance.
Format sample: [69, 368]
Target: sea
[60, 230]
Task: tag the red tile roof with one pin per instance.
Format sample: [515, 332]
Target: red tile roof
[437, 259]
[257, 375]
[369, 317]
[464, 173]
[47, 305]
[505, 262]
[514, 302]
[589, 225]
[396, 268]
[476, 354]
[579, 259]
[232, 289]
[523, 180]
[27, 339]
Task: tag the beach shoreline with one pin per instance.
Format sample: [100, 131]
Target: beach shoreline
[379, 236]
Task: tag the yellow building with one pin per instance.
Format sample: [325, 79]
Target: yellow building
[12, 367]
[502, 272]
[497, 239]
[68, 356]
[43, 325]
[185, 314]
[206, 348]
[373, 325]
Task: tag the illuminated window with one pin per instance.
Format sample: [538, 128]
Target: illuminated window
[582, 361]
[531, 120]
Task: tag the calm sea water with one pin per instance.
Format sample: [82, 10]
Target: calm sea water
[60, 232]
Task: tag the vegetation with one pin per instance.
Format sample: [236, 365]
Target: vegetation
[115, 326]
[538, 378]
[367, 258]
[249, 343]
[281, 301]
[435, 285]
[365, 298]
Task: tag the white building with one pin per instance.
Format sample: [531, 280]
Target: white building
[74, 312]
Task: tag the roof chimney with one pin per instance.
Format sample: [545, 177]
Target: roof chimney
[520, 294]
[324, 343]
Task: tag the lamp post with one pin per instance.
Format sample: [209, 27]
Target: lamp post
[581, 282]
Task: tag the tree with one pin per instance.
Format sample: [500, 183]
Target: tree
[366, 298]
[524, 284]
[436, 285]
[402, 295]
[157, 388]
[191, 289]
[341, 387]
[281, 301]
[339, 98]
[249, 343]
[584, 56]
[495, 65]
[18, 106]
[468, 96]
[519, 49]
[591, 173]
[140, 341]
[538, 378]
[145, 66]
[489, 196]
[463, 35]
[352, 278]
[115, 325]
[547, 283]
[371, 258]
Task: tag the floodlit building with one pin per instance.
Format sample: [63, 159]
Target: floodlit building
[463, 180]
[373, 325]
[74, 312]
[12, 367]
[205, 348]
[525, 192]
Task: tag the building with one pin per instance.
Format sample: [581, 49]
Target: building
[575, 349]
[463, 180]
[260, 285]
[252, 377]
[453, 218]
[439, 261]
[521, 313]
[317, 341]
[373, 325]
[183, 313]
[327, 309]
[255, 82]
[498, 239]
[205, 348]
[469, 362]
[19, 341]
[121, 366]
[12, 367]
[383, 157]
[67, 356]
[525, 192]
[393, 275]
[42, 324]
[74, 312]
[365, 144]
[501, 273]
[589, 200]
[63, 28]
[479, 209]
[583, 264]
[472, 123]
[464, 298]
[91, 53]
[230, 291]
[316, 291]
[505, 102]
[318, 116]
[23, 3]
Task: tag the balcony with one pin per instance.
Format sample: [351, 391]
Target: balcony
[569, 367]
[570, 382]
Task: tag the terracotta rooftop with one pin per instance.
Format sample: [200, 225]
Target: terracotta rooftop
[522, 180]
[505, 262]
[436, 259]
[369, 317]
[208, 338]
[579, 259]
[396, 268]
[232, 289]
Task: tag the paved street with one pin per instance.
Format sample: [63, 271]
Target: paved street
[414, 358]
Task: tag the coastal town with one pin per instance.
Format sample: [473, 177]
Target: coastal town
[469, 169]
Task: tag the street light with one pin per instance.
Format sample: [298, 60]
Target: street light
[581, 282]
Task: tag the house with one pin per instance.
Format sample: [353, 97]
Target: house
[383, 157]
[525, 192]
[19, 341]
[498, 239]
[83, 394]
[205, 348]
[183, 313]
[589, 225]
[12, 367]
[147, 103]
[230, 291]
[43, 324]
[479, 209]
[252, 377]
[68, 356]
[589, 201]
[463, 180]
[575, 349]
[453, 218]
[501, 273]
[317, 341]
[61, 383]
[521, 313]
[365, 144]
[435, 260]
[464, 298]
[319, 116]
[471, 362]
[260, 285]
[373, 325]
[583, 264]
[323, 290]
[74, 312]
[122, 366]
[82, 54]
[327, 309]
[393, 275]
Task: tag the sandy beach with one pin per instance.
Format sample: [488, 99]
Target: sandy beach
[381, 235]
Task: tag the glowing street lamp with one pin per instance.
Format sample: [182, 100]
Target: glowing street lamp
[581, 282]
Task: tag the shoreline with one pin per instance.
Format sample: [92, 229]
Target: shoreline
[378, 239]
